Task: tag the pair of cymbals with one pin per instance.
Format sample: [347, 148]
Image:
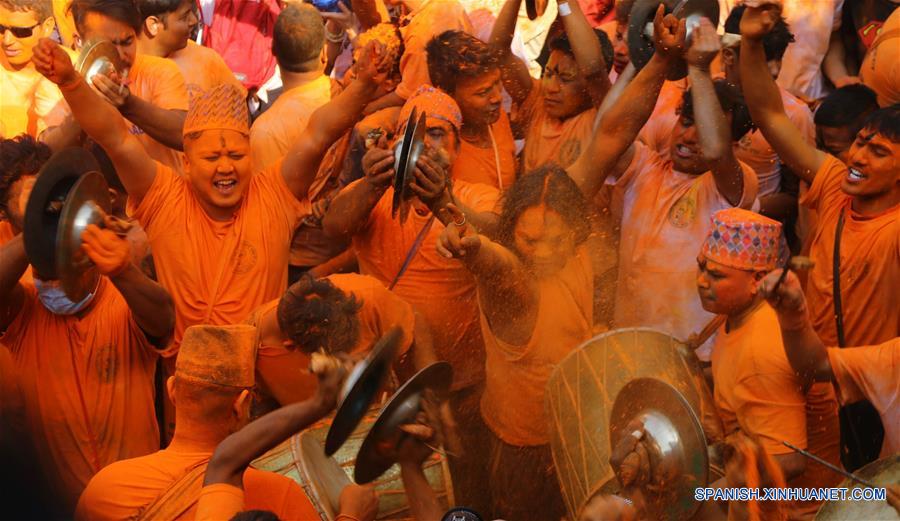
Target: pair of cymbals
[406, 155]
[100, 57]
[640, 27]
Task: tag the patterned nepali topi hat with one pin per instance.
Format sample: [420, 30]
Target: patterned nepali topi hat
[435, 103]
[218, 355]
[745, 240]
[220, 108]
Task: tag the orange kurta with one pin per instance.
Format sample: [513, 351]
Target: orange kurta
[516, 376]
[480, 165]
[281, 126]
[219, 272]
[441, 289]
[285, 372]
[870, 264]
[665, 220]
[757, 392]
[120, 490]
[202, 67]
[29, 103]
[432, 18]
[104, 358]
[219, 501]
[872, 373]
[548, 139]
[158, 82]
[880, 70]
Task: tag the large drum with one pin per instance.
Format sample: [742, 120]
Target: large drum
[302, 458]
[885, 471]
[581, 393]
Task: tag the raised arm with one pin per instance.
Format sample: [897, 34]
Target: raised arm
[163, 125]
[712, 125]
[586, 48]
[13, 263]
[99, 119]
[764, 99]
[805, 350]
[150, 304]
[609, 152]
[349, 211]
[328, 123]
[516, 79]
[506, 292]
[235, 452]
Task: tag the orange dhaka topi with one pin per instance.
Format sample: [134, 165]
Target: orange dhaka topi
[435, 103]
[744, 240]
[220, 108]
[218, 355]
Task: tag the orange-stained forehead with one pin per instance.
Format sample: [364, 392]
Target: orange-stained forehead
[218, 355]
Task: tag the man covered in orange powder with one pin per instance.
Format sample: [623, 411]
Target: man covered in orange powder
[555, 114]
[97, 405]
[851, 291]
[342, 313]
[755, 389]
[165, 32]
[211, 390]
[468, 70]
[20, 160]
[397, 252]
[220, 211]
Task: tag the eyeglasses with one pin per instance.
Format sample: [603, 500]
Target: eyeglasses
[18, 32]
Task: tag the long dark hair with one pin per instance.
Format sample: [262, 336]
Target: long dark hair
[549, 185]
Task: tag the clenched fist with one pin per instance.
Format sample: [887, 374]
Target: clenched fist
[111, 253]
[50, 60]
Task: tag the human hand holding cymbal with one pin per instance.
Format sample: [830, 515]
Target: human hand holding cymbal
[109, 252]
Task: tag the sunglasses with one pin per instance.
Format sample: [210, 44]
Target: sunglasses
[18, 32]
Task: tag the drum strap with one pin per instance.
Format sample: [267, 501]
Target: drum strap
[181, 495]
[836, 283]
[412, 251]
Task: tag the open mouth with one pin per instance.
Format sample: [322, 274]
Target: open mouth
[11, 53]
[225, 186]
[855, 176]
[684, 152]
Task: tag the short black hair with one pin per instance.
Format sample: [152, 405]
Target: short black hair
[19, 156]
[255, 515]
[847, 106]
[43, 9]
[454, 54]
[885, 121]
[732, 101]
[124, 11]
[298, 37]
[315, 314]
[157, 8]
[775, 43]
[548, 185]
[561, 43]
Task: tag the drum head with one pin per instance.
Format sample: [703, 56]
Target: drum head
[376, 454]
[674, 440]
[100, 57]
[535, 8]
[885, 471]
[406, 154]
[581, 394]
[361, 388]
[87, 203]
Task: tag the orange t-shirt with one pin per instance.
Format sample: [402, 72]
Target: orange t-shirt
[281, 126]
[158, 82]
[441, 289]
[870, 264]
[480, 165]
[120, 490]
[29, 102]
[284, 372]
[515, 378]
[665, 219]
[880, 69]
[104, 357]
[547, 139]
[872, 373]
[218, 272]
[203, 68]
[219, 501]
[757, 392]
[432, 18]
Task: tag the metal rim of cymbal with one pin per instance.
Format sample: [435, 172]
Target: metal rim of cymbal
[87, 203]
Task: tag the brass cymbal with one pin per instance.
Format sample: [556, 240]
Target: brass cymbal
[87, 203]
[406, 154]
[100, 57]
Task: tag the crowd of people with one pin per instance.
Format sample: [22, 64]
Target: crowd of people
[563, 190]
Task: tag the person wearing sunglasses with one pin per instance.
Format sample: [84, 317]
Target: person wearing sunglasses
[27, 99]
